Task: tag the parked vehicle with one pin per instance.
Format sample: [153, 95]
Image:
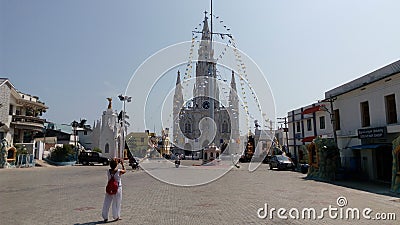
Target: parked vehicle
[92, 157]
[281, 162]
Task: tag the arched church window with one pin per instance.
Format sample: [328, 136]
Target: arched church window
[188, 127]
[107, 148]
[225, 127]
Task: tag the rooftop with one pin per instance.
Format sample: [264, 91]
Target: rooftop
[369, 78]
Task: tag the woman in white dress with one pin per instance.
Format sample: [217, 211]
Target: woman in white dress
[115, 199]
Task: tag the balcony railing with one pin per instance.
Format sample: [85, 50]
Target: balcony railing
[27, 122]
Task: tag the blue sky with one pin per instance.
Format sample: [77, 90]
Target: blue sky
[73, 54]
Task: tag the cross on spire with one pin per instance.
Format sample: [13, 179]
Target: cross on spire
[205, 26]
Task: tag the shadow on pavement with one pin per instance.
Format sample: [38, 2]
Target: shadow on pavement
[372, 187]
[94, 223]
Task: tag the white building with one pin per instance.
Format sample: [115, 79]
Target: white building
[106, 134]
[307, 123]
[19, 116]
[367, 121]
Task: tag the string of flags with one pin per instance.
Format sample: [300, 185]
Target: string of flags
[241, 67]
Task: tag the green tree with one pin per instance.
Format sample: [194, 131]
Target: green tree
[96, 149]
[63, 154]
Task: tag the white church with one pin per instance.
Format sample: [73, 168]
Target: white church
[107, 133]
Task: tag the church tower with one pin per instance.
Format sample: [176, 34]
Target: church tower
[195, 123]
[206, 88]
[110, 138]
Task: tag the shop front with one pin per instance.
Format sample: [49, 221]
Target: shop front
[373, 158]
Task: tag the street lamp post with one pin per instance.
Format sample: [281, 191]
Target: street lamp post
[74, 125]
[332, 115]
[44, 138]
[286, 129]
[124, 99]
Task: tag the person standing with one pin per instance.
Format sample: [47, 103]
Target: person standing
[114, 199]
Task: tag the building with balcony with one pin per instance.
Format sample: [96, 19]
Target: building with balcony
[19, 114]
[307, 123]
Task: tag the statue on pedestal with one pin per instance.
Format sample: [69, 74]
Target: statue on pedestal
[3, 153]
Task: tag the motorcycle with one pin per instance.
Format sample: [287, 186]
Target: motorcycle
[177, 163]
[133, 163]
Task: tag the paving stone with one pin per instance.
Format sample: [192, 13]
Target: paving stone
[74, 195]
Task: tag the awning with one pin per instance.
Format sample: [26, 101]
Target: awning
[308, 139]
[312, 109]
[370, 146]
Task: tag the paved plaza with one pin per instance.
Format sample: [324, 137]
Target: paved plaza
[74, 195]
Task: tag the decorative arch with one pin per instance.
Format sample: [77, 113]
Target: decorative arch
[11, 154]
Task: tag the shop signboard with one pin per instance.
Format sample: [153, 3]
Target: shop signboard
[377, 132]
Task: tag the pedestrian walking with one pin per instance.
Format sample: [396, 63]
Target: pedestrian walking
[111, 198]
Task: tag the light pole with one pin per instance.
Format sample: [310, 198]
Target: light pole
[332, 115]
[74, 125]
[44, 138]
[286, 129]
[123, 98]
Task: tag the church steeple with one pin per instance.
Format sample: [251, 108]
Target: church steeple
[233, 95]
[234, 115]
[178, 96]
[206, 31]
[206, 53]
[178, 79]
[177, 106]
[233, 83]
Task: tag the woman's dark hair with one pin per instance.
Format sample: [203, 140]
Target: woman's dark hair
[113, 163]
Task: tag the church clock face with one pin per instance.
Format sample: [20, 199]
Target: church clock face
[206, 105]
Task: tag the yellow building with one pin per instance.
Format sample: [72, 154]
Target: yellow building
[138, 142]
